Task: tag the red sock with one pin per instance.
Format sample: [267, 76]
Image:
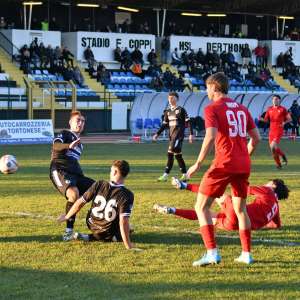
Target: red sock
[208, 235]
[279, 152]
[193, 187]
[245, 237]
[277, 159]
[186, 214]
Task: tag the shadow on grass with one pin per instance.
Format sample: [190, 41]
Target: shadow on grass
[32, 238]
[21, 283]
[163, 238]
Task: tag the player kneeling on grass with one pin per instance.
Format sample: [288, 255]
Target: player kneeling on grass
[108, 217]
[263, 211]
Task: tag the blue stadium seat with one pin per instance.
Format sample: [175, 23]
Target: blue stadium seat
[156, 123]
[139, 123]
[148, 124]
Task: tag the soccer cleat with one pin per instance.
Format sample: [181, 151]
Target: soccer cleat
[162, 209]
[178, 184]
[69, 236]
[279, 167]
[245, 259]
[284, 160]
[183, 178]
[162, 178]
[81, 236]
[207, 259]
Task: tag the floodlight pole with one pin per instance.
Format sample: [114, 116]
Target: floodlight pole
[282, 30]
[163, 22]
[30, 14]
[157, 19]
[277, 28]
[25, 17]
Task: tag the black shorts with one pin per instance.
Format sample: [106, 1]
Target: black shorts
[98, 234]
[175, 145]
[63, 180]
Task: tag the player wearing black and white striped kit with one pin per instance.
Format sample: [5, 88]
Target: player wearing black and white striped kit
[111, 207]
[175, 118]
[65, 171]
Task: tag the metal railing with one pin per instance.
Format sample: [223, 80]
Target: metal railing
[7, 45]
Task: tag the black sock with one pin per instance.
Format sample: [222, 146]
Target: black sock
[170, 162]
[71, 221]
[181, 163]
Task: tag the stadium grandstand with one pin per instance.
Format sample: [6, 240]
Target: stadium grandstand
[111, 112]
[105, 56]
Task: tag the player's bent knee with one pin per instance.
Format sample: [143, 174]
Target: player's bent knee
[72, 194]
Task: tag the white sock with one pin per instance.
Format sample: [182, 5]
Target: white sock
[165, 174]
[247, 254]
[212, 251]
[68, 230]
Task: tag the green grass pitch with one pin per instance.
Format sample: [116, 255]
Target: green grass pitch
[36, 264]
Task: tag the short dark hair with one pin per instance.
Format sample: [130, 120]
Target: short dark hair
[122, 166]
[220, 81]
[174, 94]
[281, 189]
[277, 96]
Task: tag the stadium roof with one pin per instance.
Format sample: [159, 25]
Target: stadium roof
[261, 7]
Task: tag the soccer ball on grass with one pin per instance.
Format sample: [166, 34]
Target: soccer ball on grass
[8, 164]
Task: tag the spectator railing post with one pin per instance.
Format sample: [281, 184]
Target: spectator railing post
[29, 98]
[74, 95]
[52, 105]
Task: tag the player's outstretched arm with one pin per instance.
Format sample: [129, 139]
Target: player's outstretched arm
[125, 232]
[254, 140]
[74, 210]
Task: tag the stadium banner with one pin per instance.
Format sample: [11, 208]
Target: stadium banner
[19, 132]
[103, 44]
[186, 43]
[20, 37]
[276, 47]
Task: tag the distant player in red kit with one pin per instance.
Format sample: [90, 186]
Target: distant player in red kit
[263, 211]
[227, 124]
[277, 115]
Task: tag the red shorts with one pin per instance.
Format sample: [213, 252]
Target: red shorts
[226, 218]
[215, 181]
[275, 136]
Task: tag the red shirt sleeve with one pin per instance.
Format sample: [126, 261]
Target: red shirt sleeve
[267, 116]
[275, 222]
[257, 190]
[210, 117]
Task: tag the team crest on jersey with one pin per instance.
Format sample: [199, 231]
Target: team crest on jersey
[177, 111]
[232, 104]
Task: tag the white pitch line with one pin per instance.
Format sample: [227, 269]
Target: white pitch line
[171, 229]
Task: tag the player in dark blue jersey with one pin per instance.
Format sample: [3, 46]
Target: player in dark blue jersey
[65, 170]
[111, 206]
[176, 119]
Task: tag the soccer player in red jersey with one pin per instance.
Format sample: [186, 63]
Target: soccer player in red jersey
[277, 115]
[227, 124]
[263, 211]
